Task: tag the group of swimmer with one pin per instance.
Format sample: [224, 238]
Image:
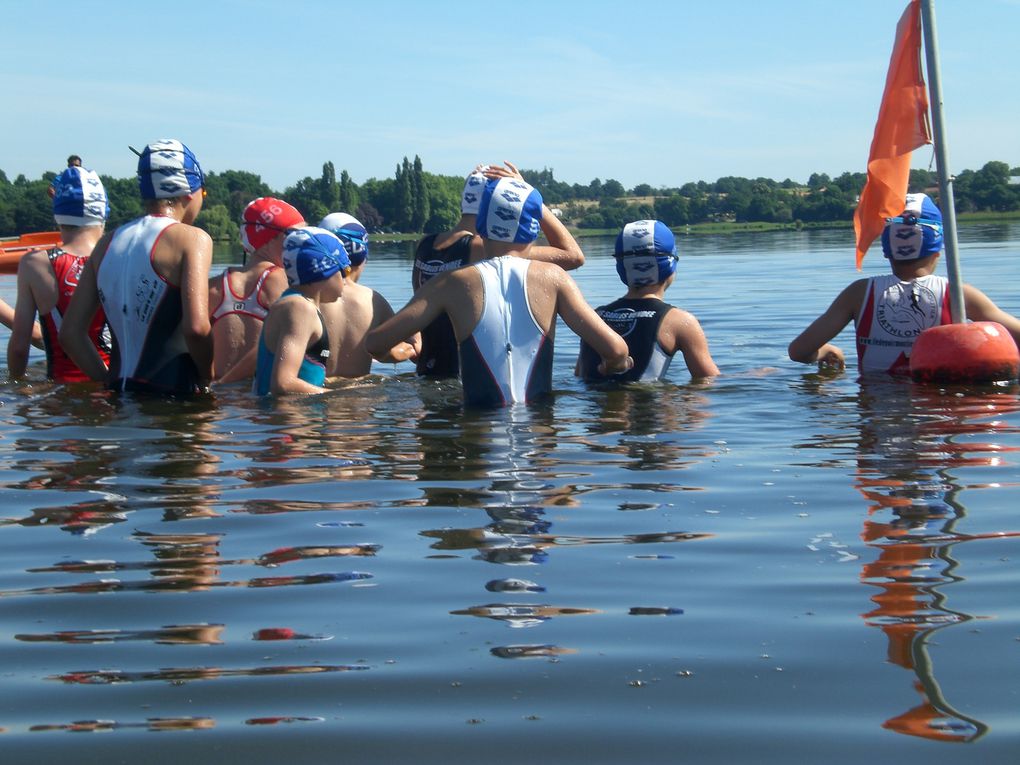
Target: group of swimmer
[136, 308]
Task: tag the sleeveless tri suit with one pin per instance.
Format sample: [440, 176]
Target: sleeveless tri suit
[893, 314]
[145, 314]
[508, 357]
[313, 365]
[637, 321]
[438, 357]
[245, 305]
[68, 267]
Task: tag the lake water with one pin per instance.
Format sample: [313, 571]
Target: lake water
[774, 567]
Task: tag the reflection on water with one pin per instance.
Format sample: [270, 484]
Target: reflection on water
[909, 441]
[793, 564]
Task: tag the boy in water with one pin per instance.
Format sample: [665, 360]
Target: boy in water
[294, 345]
[359, 310]
[891, 310]
[646, 261]
[503, 309]
[461, 246]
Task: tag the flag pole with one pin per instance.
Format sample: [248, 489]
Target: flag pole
[931, 54]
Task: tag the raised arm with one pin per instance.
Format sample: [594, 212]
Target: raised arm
[562, 249]
[812, 345]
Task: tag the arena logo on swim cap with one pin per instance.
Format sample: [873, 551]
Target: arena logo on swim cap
[79, 198]
[471, 197]
[510, 211]
[916, 233]
[351, 232]
[313, 254]
[167, 168]
[645, 253]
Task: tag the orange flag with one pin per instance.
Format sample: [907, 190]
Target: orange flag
[902, 127]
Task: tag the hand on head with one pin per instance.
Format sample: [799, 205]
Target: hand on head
[508, 170]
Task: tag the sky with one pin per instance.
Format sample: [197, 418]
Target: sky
[640, 91]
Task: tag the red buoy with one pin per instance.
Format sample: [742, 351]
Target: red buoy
[982, 351]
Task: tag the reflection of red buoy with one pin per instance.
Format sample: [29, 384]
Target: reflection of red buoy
[982, 351]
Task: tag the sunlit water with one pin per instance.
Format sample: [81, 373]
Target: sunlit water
[776, 567]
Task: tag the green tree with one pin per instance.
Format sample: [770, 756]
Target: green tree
[217, 222]
[348, 199]
[329, 191]
[419, 197]
[673, 210]
[612, 189]
[404, 212]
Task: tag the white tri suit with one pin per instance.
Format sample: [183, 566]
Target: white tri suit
[893, 314]
[145, 313]
[508, 357]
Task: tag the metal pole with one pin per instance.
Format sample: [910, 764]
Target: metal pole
[931, 54]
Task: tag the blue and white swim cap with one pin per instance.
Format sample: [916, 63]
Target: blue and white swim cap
[510, 211]
[167, 168]
[915, 234]
[79, 198]
[313, 254]
[645, 253]
[351, 233]
[471, 196]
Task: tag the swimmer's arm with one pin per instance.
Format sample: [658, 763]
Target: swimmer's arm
[586, 324]
[242, 369]
[195, 324]
[301, 326]
[981, 308]
[562, 250]
[426, 306]
[812, 345]
[74, 338]
[691, 341]
[23, 324]
[406, 349]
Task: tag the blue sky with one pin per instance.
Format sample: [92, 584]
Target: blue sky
[656, 92]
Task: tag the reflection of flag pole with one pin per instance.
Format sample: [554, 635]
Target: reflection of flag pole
[931, 51]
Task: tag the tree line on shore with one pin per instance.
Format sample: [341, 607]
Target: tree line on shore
[416, 201]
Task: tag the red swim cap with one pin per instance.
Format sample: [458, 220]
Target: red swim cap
[265, 218]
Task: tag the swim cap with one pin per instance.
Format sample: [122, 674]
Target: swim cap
[79, 198]
[645, 253]
[510, 211]
[351, 233]
[166, 169]
[900, 237]
[471, 197]
[312, 254]
[264, 218]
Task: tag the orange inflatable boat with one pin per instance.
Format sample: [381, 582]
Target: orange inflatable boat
[11, 250]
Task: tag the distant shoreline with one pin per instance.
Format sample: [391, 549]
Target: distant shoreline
[696, 229]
